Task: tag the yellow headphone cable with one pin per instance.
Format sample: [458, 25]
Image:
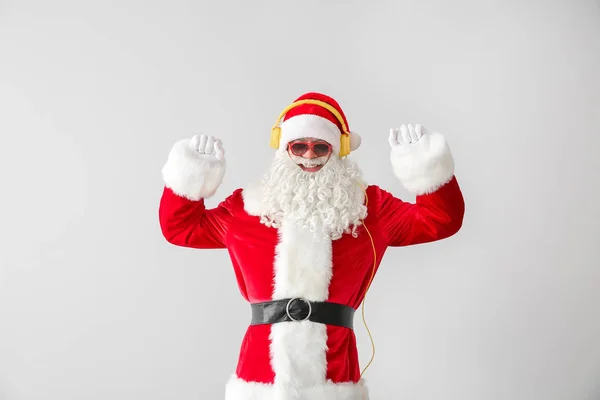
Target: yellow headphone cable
[368, 286]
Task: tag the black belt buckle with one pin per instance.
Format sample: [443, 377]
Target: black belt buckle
[289, 303]
[298, 309]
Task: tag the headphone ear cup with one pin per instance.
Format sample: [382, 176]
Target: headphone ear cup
[344, 145]
[275, 137]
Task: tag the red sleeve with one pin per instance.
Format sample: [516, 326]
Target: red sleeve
[188, 223]
[432, 217]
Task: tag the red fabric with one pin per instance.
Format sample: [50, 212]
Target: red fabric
[318, 110]
[251, 245]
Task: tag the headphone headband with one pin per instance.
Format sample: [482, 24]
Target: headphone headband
[344, 139]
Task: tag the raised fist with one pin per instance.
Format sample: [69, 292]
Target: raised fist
[406, 135]
[208, 148]
[195, 167]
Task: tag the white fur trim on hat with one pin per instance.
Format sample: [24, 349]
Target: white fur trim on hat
[312, 126]
[355, 140]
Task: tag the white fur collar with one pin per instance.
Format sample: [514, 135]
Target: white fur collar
[252, 196]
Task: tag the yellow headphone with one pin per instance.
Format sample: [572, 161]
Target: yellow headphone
[344, 139]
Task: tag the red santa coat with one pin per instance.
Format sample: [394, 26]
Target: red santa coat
[307, 360]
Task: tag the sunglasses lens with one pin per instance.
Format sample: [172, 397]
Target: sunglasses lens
[321, 149]
[299, 148]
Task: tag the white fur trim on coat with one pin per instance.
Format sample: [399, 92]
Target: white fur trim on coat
[424, 166]
[190, 174]
[303, 268]
[298, 350]
[252, 196]
[238, 389]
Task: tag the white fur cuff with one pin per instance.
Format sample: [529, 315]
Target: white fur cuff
[190, 174]
[424, 166]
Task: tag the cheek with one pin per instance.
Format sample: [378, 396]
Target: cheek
[293, 157]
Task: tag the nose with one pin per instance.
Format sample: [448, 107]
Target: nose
[310, 154]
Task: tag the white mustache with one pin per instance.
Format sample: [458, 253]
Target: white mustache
[312, 163]
[309, 162]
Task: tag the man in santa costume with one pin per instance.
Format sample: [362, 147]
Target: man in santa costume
[307, 240]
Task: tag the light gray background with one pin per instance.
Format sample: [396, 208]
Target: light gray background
[95, 304]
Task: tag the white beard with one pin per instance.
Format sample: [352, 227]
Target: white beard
[328, 202]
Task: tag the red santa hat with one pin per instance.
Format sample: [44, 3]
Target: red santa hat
[315, 115]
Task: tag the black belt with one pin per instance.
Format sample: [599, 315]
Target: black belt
[298, 309]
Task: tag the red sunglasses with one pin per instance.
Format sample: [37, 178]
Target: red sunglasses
[298, 148]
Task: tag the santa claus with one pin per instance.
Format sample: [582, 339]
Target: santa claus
[306, 241]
